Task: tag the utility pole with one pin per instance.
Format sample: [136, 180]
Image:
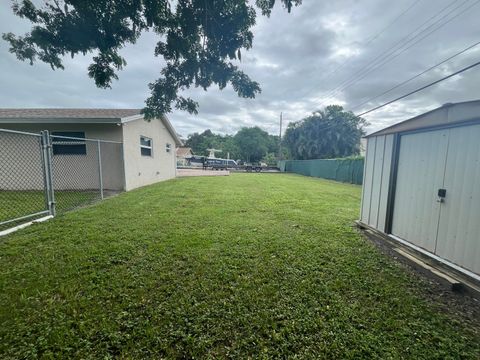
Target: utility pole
[280, 156]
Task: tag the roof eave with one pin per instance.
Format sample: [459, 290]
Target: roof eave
[392, 129]
[172, 131]
[59, 120]
[165, 121]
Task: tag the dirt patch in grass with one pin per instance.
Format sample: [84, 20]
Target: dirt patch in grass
[463, 305]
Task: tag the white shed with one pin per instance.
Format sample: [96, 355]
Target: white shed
[422, 185]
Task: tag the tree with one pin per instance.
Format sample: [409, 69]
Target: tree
[249, 144]
[201, 142]
[330, 133]
[199, 40]
[230, 148]
[208, 140]
[253, 143]
[270, 159]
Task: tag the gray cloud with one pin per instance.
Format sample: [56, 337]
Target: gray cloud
[294, 58]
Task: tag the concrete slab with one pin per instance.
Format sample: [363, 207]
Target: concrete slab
[201, 172]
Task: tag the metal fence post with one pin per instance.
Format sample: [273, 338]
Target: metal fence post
[100, 174]
[48, 173]
[43, 144]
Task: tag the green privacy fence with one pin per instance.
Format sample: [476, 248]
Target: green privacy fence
[344, 170]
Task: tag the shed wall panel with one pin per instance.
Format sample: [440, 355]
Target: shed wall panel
[367, 180]
[459, 227]
[421, 167]
[384, 187]
[376, 181]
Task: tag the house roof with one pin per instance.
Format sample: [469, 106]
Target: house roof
[184, 151]
[445, 115]
[77, 116]
[48, 114]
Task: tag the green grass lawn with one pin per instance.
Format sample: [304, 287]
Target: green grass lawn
[16, 204]
[250, 265]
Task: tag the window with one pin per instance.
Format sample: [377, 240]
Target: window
[145, 146]
[168, 147]
[63, 145]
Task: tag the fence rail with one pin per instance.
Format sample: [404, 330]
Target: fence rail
[44, 174]
[344, 170]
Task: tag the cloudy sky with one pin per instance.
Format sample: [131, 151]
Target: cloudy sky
[300, 59]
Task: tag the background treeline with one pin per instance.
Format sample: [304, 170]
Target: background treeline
[326, 134]
[248, 144]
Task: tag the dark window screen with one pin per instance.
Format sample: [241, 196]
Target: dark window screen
[62, 146]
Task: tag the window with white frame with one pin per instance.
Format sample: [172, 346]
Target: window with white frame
[168, 147]
[146, 146]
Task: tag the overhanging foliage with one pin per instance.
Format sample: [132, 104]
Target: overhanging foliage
[200, 41]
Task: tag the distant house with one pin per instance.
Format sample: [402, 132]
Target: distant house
[182, 154]
[144, 154]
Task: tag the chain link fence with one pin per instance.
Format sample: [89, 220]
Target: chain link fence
[43, 174]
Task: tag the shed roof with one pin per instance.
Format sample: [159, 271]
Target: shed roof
[77, 116]
[447, 114]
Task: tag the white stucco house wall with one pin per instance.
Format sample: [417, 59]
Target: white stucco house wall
[141, 153]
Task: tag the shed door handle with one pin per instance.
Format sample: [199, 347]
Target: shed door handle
[442, 193]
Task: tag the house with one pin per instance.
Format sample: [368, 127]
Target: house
[135, 152]
[182, 154]
[422, 185]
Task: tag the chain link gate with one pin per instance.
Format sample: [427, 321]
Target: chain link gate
[23, 191]
[43, 174]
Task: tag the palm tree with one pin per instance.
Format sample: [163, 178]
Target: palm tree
[328, 133]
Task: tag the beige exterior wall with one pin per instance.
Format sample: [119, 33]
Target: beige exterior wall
[21, 161]
[144, 170]
[22, 167]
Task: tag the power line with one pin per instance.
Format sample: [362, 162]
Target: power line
[420, 89]
[374, 37]
[374, 63]
[416, 76]
[392, 22]
[391, 55]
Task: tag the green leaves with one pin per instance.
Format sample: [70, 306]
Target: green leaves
[254, 143]
[267, 5]
[103, 68]
[199, 40]
[23, 48]
[330, 133]
[248, 144]
[243, 85]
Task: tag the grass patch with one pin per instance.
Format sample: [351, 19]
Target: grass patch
[250, 265]
[21, 203]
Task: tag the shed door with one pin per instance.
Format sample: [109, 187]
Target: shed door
[421, 168]
[459, 225]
